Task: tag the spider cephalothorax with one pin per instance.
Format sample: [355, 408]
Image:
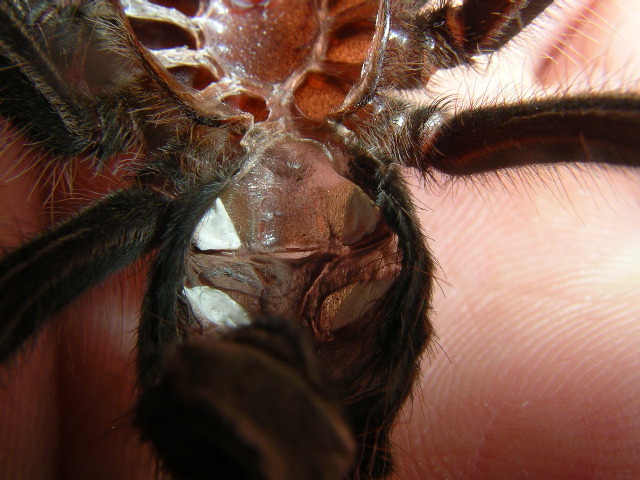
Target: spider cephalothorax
[287, 300]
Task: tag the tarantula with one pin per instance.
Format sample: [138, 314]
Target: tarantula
[287, 268]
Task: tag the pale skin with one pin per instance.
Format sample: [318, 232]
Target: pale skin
[537, 313]
[536, 310]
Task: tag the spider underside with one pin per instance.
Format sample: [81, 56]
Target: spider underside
[289, 283]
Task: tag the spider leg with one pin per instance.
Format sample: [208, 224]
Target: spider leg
[161, 323]
[209, 411]
[485, 26]
[581, 128]
[76, 82]
[572, 129]
[202, 401]
[427, 38]
[44, 76]
[48, 272]
[375, 394]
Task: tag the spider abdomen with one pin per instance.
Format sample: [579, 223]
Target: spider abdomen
[290, 238]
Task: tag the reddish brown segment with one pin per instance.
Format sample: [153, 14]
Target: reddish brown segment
[273, 59]
[349, 43]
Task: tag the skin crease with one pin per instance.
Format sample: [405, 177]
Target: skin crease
[536, 310]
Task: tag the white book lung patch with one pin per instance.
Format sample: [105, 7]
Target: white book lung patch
[216, 231]
[216, 307]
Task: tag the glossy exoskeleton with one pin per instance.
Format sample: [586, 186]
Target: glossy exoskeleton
[253, 152]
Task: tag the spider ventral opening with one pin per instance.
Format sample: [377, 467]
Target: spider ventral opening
[161, 35]
[196, 77]
[319, 94]
[256, 106]
[350, 42]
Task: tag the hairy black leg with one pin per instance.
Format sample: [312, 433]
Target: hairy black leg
[485, 26]
[75, 80]
[240, 404]
[162, 323]
[474, 28]
[250, 403]
[426, 39]
[375, 395]
[51, 270]
[574, 129]
[51, 85]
